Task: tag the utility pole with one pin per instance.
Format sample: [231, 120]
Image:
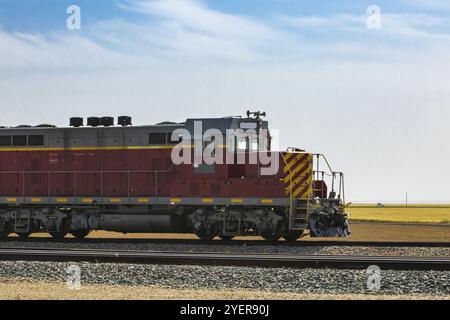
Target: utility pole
[407, 199]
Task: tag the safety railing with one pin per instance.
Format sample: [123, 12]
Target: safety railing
[291, 199]
[336, 177]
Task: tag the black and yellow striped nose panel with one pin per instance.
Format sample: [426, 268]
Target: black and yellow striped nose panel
[298, 173]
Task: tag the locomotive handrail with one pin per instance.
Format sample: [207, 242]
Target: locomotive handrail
[318, 155]
[291, 208]
[332, 174]
[323, 172]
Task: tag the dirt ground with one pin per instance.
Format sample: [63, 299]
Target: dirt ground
[17, 290]
[361, 231]
[398, 232]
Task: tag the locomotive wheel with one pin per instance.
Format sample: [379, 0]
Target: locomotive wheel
[271, 237]
[204, 236]
[293, 235]
[80, 234]
[58, 235]
[63, 232]
[23, 235]
[226, 238]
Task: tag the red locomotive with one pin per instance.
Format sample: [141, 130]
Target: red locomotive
[129, 178]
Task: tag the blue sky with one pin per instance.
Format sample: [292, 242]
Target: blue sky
[377, 102]
[289, 22]
[38, 15]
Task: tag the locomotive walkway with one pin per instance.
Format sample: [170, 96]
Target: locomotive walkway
[260, 260]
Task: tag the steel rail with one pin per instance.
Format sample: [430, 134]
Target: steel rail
[299, 243]
[260, 260]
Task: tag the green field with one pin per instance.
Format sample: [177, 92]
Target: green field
[423, 213]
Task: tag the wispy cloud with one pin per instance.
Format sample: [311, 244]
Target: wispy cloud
[400, 24]
[336, 21]
[192, 29]
[26, 52]
[169, 30]
[429, 4]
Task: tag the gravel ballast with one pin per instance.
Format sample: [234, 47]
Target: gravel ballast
[224, 248]
[230, 277]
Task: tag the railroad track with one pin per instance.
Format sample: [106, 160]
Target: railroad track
[260, 260]
[300, 243]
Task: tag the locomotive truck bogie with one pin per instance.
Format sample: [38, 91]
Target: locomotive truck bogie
[205, 222]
